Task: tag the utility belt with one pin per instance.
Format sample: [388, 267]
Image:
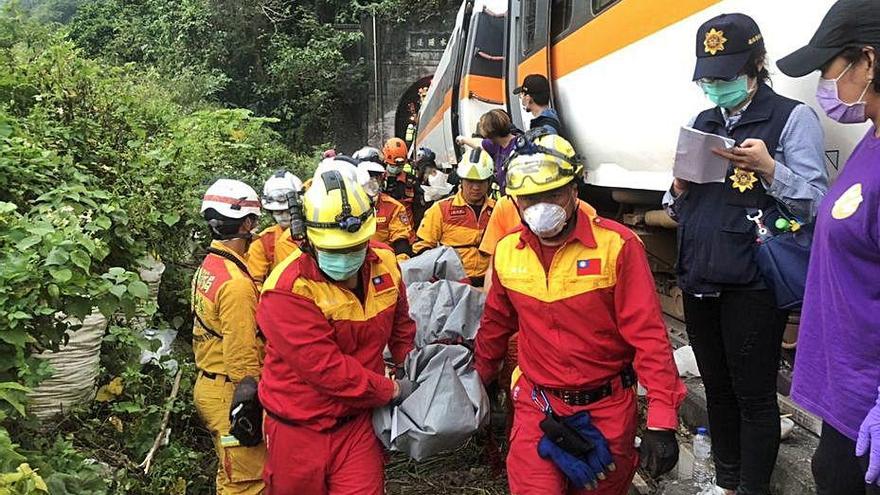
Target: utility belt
[214, 376]
[340, 421]
[584, 397]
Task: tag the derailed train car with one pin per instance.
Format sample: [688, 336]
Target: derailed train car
[620, 73]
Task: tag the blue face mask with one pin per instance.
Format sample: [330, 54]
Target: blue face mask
[727, 94]
[341, 266]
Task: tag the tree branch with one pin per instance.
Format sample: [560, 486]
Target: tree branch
[148, 461]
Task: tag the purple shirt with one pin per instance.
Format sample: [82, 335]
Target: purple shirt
[499, 154]
[838, 358]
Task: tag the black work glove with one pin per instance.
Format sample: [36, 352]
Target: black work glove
[406, 387]
[246, 414]
[659, 452]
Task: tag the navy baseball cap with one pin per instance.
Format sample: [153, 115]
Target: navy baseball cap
[724, 45]
[533, 84]
[847, 24]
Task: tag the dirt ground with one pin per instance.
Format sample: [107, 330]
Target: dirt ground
[467, 470]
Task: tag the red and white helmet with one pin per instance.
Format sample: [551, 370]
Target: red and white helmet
[276, 189]
[231, 199]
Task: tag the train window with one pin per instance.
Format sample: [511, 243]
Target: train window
[530, 25]
[561, 13]
[601, 5]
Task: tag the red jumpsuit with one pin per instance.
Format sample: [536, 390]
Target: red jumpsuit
[584, 312]
[324, 373]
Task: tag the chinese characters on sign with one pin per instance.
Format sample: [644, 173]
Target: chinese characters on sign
[428, 42]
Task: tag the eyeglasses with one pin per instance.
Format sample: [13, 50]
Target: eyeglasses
[713, 80]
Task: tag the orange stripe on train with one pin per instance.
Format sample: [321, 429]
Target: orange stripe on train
[623, 24]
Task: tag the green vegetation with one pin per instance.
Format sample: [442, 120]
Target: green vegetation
[115, 115]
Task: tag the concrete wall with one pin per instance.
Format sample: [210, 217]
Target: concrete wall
[404, 57]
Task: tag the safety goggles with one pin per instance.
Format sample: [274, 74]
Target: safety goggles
[540, 172]
[279, 196]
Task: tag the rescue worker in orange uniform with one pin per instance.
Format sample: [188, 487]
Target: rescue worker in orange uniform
[393, 226]
[264, 252]
[228, 350]
[398, 183]
[328, 311]
[579, 291]
[460, 221]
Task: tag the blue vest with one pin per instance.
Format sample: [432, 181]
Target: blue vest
[716, 241]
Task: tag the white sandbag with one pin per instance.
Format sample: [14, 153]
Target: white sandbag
[150, 270]
[75, 369]
[165, 338]
[440, 263]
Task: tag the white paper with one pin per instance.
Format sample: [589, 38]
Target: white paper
[694, 159]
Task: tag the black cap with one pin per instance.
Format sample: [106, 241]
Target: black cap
[848, 23]
[724, 45]
[533, 84]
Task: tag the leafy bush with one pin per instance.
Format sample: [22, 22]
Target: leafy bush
[101, 165]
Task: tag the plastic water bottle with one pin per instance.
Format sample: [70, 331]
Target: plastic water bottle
[704, 475]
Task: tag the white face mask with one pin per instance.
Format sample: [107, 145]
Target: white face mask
[545, 220]
[437, 179]
[282, 218]
[437, 187]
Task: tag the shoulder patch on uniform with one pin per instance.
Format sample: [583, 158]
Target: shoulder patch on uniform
[212, 275]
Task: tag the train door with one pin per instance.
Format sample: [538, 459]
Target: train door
[481, 87]
[528, 50]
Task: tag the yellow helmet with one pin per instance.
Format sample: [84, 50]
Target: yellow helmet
[476, 165]
[338, 212]
[549, 162]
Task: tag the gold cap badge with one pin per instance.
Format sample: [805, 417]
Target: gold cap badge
[714, 42]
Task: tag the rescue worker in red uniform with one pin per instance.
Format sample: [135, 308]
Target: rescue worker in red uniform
[268, 249]
[393, 226]
[578, 289]
[228, 350]
[327, 312]
[460, 221]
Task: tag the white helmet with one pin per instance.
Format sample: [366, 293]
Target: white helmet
[276, 189]
[368, 154]
[370, 184]
[231, 199]
[343, 164]
[476, 165]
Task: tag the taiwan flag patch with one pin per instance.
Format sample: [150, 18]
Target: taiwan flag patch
[589, 267]
[383, 282]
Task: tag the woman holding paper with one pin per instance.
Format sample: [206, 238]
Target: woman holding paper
[733, 321]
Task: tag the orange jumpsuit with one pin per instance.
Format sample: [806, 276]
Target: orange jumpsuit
[267, 250]
[392, 221]
[227, 349]
[452, 222]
